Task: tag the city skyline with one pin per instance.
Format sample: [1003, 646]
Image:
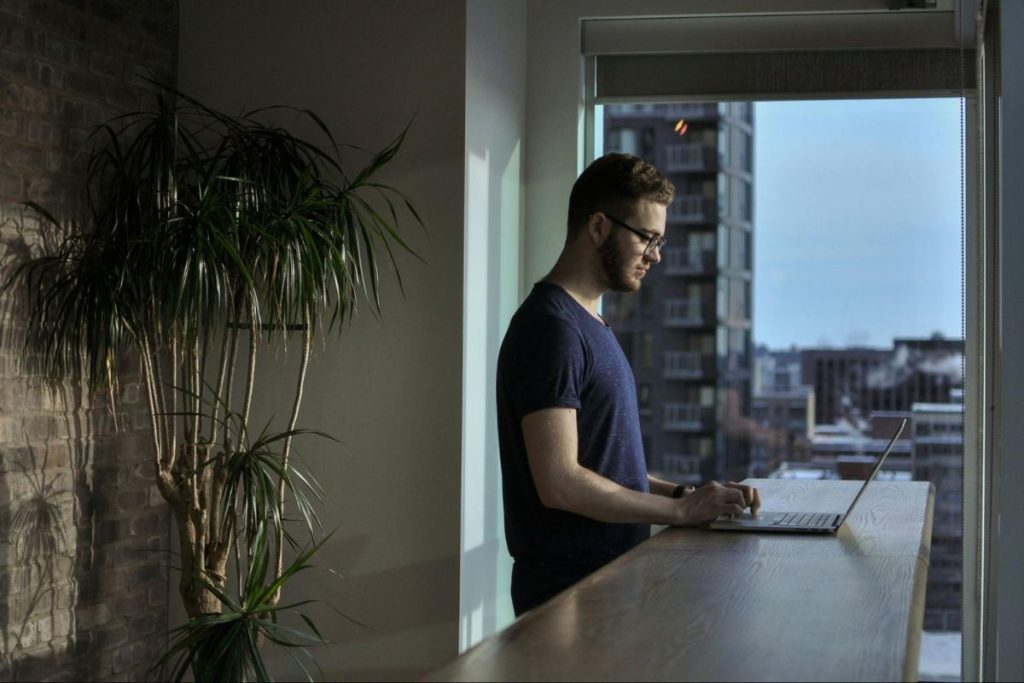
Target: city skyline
[857, 215]
[856, 243]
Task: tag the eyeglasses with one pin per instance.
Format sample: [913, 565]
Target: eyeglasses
[654, 243]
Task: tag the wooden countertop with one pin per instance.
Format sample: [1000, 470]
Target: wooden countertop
[692, 604]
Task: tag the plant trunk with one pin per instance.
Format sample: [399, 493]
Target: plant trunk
[196, 598]
[199, 561]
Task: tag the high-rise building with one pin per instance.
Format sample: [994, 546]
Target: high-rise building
[783, 411]
[785, 425]
[688, 331]
[851, 383]
[938, 458]
[776, 371]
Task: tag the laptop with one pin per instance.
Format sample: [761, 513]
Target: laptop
[804, 522]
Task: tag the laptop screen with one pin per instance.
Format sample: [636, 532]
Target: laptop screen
[874, 471]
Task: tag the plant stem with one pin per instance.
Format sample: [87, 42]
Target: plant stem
[197, 475]
[147, 373]
[307, 343]
[156, 370]
[172, 430]
[250, 377]
[163, 476]
[220, 526]
[204, 350]
[221, 376]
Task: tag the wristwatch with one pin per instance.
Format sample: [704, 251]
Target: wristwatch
[682, 490]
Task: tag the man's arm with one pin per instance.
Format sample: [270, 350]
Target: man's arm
[661, 487]
[551, 447]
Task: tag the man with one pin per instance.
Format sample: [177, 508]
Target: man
[575, 483]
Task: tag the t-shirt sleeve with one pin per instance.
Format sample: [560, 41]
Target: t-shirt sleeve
[549, 367]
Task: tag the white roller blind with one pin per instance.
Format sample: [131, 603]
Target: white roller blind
[777, 56]
[783, 75]
[771, 32]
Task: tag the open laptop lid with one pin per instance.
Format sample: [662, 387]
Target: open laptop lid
[874, 471]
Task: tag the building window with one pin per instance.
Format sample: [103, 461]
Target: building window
[646, 360]
[643, 396]
[624, 140]
[647, 301]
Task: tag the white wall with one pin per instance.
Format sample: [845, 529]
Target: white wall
[390, 389]
[495, 122]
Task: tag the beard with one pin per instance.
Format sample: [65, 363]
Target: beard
[616, 268]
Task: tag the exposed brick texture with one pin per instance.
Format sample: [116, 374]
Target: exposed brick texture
[83, 534]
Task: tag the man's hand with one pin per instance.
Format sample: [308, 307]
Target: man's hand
[751, 496]
[712, 500]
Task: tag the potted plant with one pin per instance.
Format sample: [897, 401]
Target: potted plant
[207, 237]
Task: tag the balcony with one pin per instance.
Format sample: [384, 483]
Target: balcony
[683, 313]
[689, 157]
[685, 261]
[690, 111]
[687, 417]
[693, 209]
[687, 365]
[684, 469]
[741, 111]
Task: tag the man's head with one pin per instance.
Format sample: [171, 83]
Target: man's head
[617, 207]
[615, 183]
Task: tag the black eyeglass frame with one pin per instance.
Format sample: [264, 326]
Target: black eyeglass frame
[653, 242]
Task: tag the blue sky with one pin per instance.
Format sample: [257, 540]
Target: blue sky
[857, 221]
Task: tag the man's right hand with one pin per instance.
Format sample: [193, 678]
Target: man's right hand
[713, 500]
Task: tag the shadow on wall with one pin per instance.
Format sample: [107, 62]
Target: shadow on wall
[83, 555]
[374, 640]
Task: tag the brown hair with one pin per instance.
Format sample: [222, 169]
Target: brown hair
[615, 182]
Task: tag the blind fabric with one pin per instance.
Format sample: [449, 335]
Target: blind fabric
[782, 55]
[783, 75]
[822, 30]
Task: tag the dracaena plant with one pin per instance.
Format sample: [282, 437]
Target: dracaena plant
[207, 236]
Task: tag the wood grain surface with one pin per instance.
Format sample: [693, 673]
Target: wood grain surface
[693, 604]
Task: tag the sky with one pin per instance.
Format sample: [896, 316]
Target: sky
[857, 236]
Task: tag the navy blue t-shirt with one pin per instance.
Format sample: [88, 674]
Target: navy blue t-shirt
[555, 353]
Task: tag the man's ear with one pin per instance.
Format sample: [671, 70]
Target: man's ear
[598, 228]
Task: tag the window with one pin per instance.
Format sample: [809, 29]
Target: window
[643, 396]
[626, 342]
[557, 120]
[733, 248]
[646, 359]
[745, 150]
[783, 238]
[724, 195]
[647, 301]
[744, 195]
[625, 139]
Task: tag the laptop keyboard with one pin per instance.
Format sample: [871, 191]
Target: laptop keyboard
[804, 519]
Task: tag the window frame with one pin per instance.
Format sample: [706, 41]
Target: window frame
[978, 289]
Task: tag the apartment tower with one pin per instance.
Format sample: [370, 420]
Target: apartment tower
[687, 332]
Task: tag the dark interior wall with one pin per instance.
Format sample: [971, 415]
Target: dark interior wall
[83, 530]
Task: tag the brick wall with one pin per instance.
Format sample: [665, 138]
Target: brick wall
[83, 531]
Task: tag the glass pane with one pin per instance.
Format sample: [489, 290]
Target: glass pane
[810, 299]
